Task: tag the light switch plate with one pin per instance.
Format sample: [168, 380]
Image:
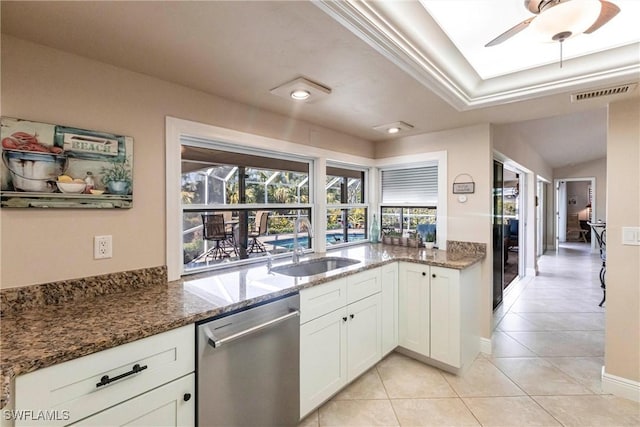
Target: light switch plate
[631, 236]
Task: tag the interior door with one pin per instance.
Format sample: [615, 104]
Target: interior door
[498, 232]
[540, 217]
[561, 213]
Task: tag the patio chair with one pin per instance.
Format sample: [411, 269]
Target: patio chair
[259, 229]
[214, 229]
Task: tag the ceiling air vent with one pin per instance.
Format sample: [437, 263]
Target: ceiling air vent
[599, 93]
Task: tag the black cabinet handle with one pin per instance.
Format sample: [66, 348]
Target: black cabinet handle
[433, 275]
[344, 319]
[424, 274]
[186, 397]
[352, 316]
[134, 370]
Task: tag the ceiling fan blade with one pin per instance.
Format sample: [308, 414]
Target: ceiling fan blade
[609, 10]
[510, 32]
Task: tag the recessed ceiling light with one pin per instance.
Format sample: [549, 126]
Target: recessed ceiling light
[301, 89]
[394, 128]
[300, 94]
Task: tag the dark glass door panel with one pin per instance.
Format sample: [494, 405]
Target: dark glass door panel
[498, 232]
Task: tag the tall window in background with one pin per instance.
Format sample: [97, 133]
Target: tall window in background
[346, 208]
[258, 193]
[409, 200]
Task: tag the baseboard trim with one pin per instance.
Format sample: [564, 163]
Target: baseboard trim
[485, 345]
[620, 387]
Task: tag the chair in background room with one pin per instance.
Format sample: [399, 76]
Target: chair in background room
[259, 229]
[574, 230]
[214, 230]
[512, 234]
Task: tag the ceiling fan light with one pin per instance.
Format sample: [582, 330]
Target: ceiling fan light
[574, 16]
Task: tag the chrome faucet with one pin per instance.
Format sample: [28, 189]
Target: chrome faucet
[297, 249]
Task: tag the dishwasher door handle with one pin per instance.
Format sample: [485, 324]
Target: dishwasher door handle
[215, 343]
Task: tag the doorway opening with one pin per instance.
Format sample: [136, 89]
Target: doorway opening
[575, 209]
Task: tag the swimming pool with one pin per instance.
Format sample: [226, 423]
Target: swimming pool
[304, 241]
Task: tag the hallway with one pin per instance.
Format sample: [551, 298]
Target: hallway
[548, 349]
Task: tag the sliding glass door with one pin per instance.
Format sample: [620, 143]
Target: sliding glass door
[498, 232]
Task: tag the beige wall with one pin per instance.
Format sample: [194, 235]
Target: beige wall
[622, 345]
[468, 151]
[595, 168]
[47, 85]
[508, 142]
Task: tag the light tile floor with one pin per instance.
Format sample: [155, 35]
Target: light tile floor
[548, 349]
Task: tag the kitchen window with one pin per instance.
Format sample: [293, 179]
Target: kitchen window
[240, 206]
[409, 199]
[346, 208]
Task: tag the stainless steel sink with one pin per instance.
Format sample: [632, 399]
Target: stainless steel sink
[314, 266]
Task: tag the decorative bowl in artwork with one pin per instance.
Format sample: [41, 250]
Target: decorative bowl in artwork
[33, 171]
[71, 187]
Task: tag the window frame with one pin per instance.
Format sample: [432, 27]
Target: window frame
[176, 129]
[412, 161]
[341, 206]
[270, 206]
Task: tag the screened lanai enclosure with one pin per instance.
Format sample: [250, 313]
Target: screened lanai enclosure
[238, 206]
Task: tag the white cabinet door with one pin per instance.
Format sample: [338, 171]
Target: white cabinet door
[445, 315]
[413, 306]
[172, 404]
[323, 358]
[364, 335]
[389, 307]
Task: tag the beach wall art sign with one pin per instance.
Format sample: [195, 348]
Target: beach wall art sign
[54, 166]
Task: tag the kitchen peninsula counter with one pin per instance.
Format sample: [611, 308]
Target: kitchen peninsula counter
[38, 334]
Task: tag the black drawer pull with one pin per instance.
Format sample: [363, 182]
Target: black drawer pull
[424, 274]
[352, 316]
[344, 319]
[134, 370]
[186, 397]
[433, 275]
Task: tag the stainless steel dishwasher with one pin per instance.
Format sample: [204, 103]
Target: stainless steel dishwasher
[248, 367]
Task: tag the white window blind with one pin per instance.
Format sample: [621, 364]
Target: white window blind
[417, 186]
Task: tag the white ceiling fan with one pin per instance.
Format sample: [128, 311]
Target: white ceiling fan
[558, 20]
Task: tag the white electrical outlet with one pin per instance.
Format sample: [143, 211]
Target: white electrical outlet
[102, 247]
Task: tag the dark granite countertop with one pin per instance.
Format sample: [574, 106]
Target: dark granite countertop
[38, 337]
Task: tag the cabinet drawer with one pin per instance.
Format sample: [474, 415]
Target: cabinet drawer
[73, 386]
[322, 299]
[363, 284]
[172, 404]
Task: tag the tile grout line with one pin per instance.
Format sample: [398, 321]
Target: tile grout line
[395, 414]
